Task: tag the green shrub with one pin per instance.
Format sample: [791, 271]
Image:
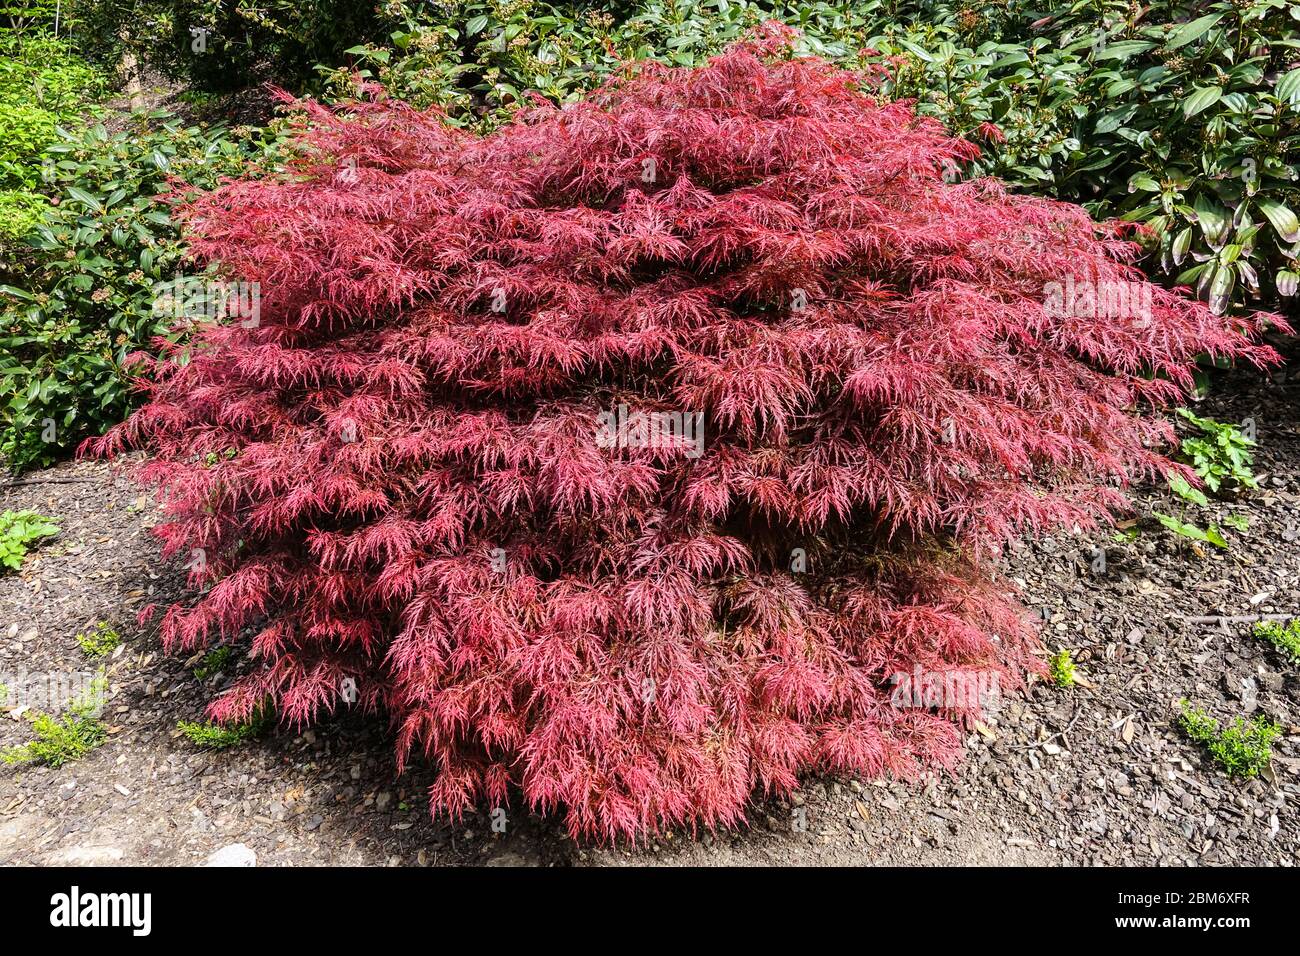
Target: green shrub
[82, 293]
[18, 529]
[245, 42]
[1191, 126]
[43, 84]
[1181, 116]
[20, 212]
[1242, 749]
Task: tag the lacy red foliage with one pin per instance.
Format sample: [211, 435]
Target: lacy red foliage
[418, 500]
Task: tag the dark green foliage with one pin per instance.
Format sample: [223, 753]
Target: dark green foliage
[226, 44]
[80, 296]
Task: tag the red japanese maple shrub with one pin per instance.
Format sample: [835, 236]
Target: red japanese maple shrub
[626, 457]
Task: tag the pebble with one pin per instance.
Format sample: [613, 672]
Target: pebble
[236, 854]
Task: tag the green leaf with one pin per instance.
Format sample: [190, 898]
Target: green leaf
[1011, 59]
[916, 50]
[1180, 527]
[1282, 218]
[1125, 49]
[1288, 88]
[1202, 99]
[85, 198]
[1221, 290]
[1188, 32]
[1109, 122]
[1179, 485]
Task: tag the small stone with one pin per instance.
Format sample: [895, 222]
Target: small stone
[87, 856]
[237, 854]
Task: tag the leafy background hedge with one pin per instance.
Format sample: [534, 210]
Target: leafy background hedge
[1181, 117]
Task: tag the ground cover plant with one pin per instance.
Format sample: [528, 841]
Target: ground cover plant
[20, 529]
[212, 736]
[1243, 749]
[67, 737]
[627, 456]
[100, 640]
[1285, 637]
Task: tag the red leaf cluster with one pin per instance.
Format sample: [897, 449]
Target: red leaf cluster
[642, 627]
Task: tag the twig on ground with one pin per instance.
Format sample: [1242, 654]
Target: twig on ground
[47, 481]
[1237, 618]
[1058, 734]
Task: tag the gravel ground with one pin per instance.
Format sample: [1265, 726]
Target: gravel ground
[1095, 775]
